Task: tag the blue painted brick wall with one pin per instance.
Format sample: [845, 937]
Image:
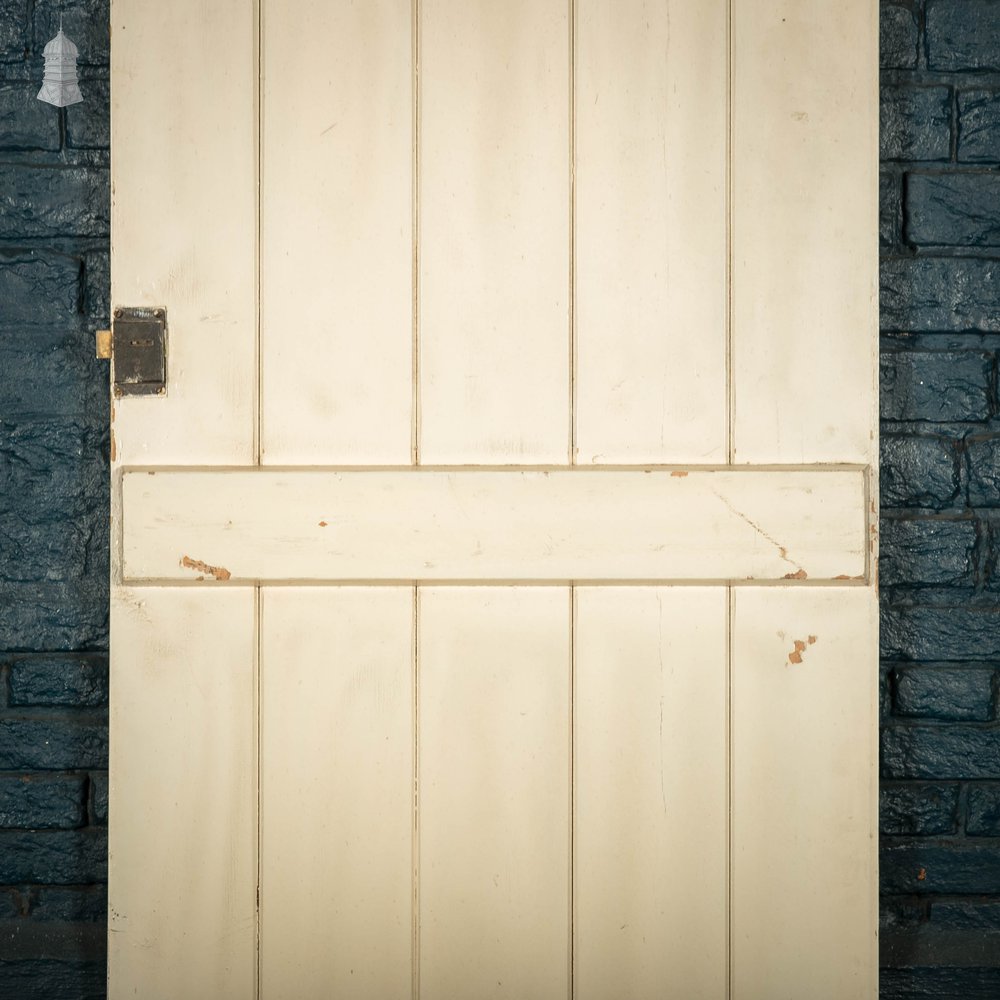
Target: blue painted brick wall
[53, 510]
[939, 233]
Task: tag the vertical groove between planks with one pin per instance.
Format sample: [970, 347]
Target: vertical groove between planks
[572, 790]
[257, 617]
[572, 234]
[415, 225]
[730, 374]
[730, 631]
[415, 862]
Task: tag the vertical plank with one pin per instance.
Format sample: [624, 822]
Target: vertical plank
[651, 295]
[804, 793]
[494, 231]
[805, 204]
[183, 867]
[651, 819]
[336, 792]
[336, 274]
[494, 792]
[184, 221]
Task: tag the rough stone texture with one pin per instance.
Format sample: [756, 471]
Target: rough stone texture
[940, 294]
[915, 123]
[965, 914]
[959, 693]
[953, 209]
[979, 126]
[937, 386]
[897, 36]
[84, 903]
[14, 21]
[983, 816]
[941, 751]
[38, 201]
[46, 979]
[984, 472]
[99, 798]
[962, 35]
[88, 124]
[929, 634]
[59, 680]
[967, 983]
[935, 866]
[890, 210]
[926, 552]
[53, 857]
[33, 801]
[38, 287]
[38, 617]
[918, 809]
[25, 122]
[918, 471]
[54, 742]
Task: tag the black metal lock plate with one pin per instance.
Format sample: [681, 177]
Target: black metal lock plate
[139, 352]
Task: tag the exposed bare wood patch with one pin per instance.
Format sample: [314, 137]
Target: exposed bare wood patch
[678, 473]
[219, 572]
[795, 656]
[799, 574]
[322, 524]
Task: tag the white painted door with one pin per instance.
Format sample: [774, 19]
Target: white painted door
[493, 599]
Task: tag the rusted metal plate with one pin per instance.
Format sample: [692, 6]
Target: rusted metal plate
[139, 352]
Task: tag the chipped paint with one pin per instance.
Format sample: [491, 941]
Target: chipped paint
[322, 524]
[799, 574]
[678, 474]
[219, 572]
[799, 647]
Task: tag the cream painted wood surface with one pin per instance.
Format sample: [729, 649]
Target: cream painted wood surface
[336, 670]
[429, 255]
[474, 525]
[494, 828]
[183, 845]
[651, 807]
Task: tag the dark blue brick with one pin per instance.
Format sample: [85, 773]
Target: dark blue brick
[979, 126]
[935, 385]
[940, 294]
[948, 693]
[940, 751]
[918, 809]
[897, 36]
[926, 551]
[86, 22]
[97, 267]
[984, 472]
[953, 209]
[983, 811]
[54, 979]
[88, 124]
[901, 912]
[918, 471]
[963, 34]
[38, 288]
[59, 680]
[966, 914]
[26, 122]
[890, 210]
[53, 201]
[78, 904]
[41, 801]
[53, 857]
[14, 23]
[963, 983]
[54, 616]
[57, 743]
[930, 634]
[99, 798]
[914, 123]
[936, 867]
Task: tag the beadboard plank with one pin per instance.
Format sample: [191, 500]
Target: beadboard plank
[494, 231]
[183, 820]
[650, 262]
[494, 792]
[805, 210]
[184, 223]
[336, 792]
[407, 525]
[651, 817]
[336, 232]
[805, 788]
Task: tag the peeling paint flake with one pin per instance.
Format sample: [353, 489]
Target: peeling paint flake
[799, 574]
[218, 572]
[799, 647]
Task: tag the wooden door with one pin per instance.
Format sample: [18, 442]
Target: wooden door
[493, 600]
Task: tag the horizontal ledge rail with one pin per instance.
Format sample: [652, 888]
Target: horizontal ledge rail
[415, 525]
